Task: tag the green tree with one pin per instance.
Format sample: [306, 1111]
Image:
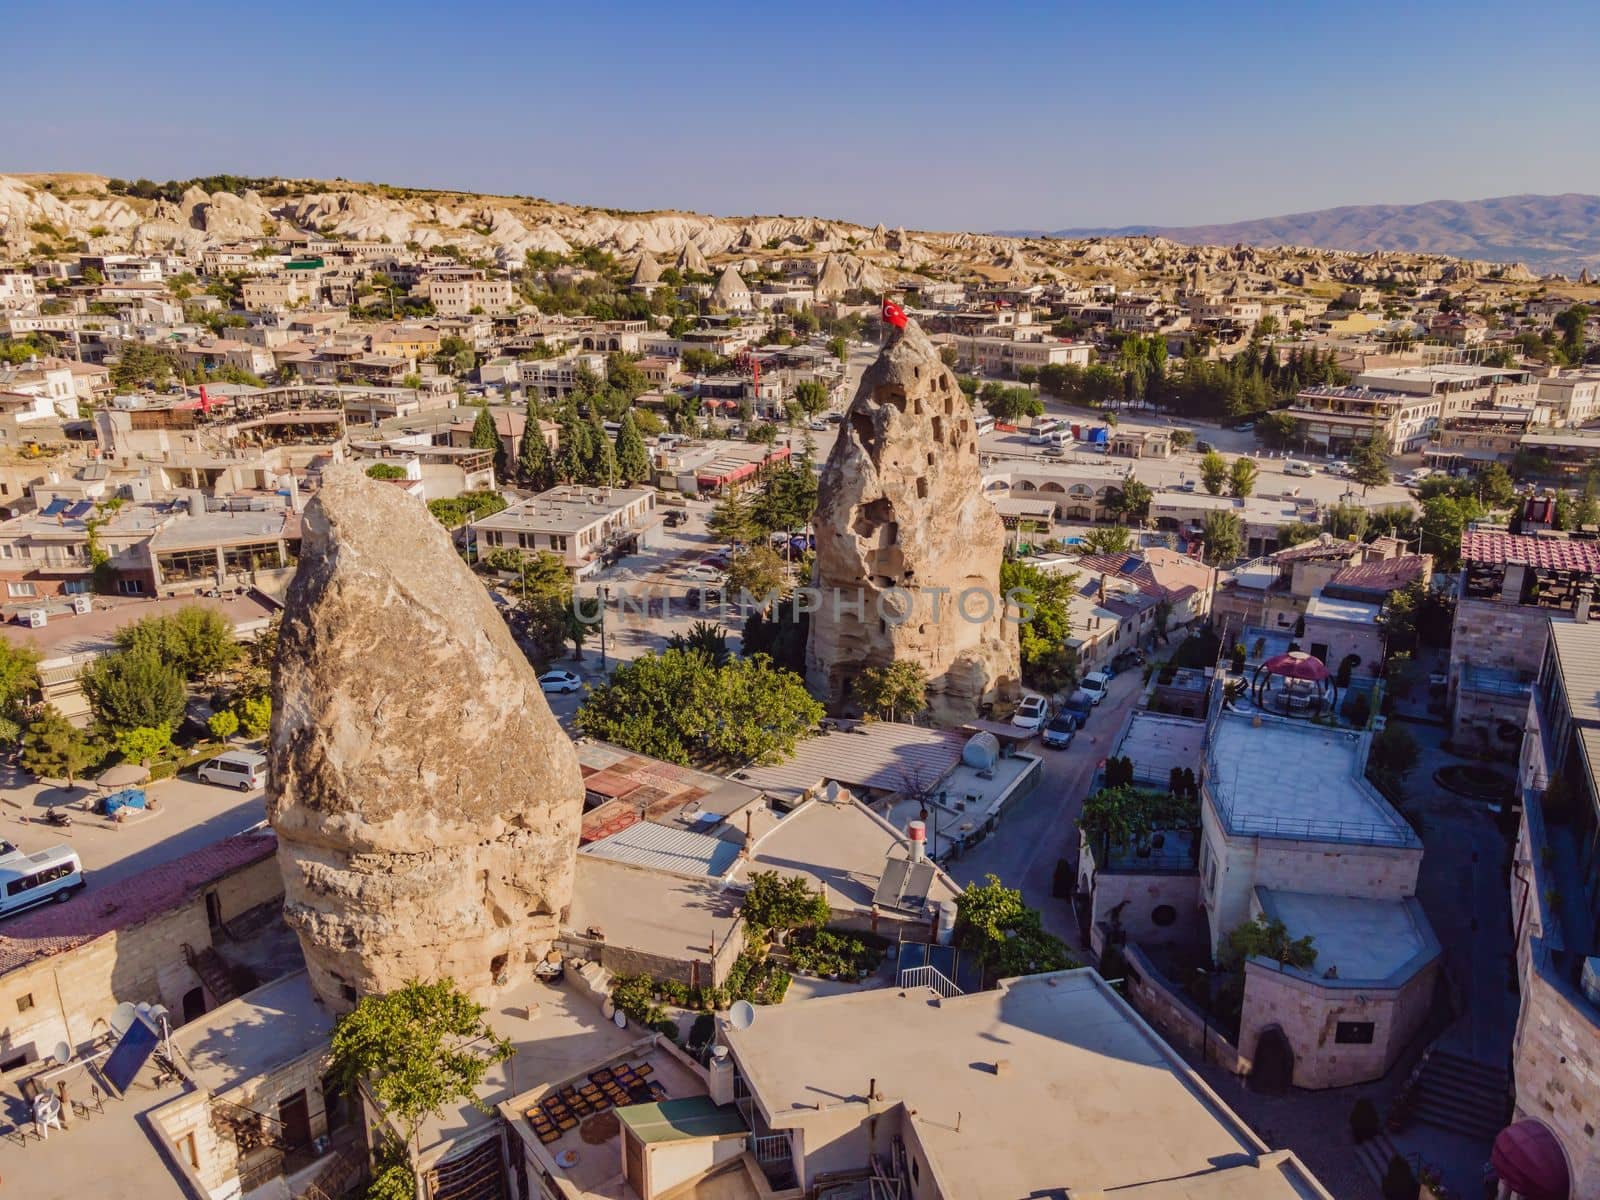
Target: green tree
[1182, 438]
[1260, 938]
[572, 451]
[1444, 519]
[633, 462]
[1297, 533]
[1224, 537]
[703, 638]
[223, 724]
[756, 571]
[1242, 476]
[1587, 510]
[1133, 501]
[19, 681]
[1213, 472]
[1495, 486]
[142, 744]
[1570, 324]
[536, 466]
[1007, 936]
[255, 715]
[839, 348]
[141, 365]
[1108, 539]
[892, 691]
[1043, 602]
[455, 357]
[1010, 404]
[196, 640]
[383, 470]
[484, 434]
[758, 712]
[418, 1049]
[1276, 429]
[55, 748]
[781, 903]
[133, 688]
[811, 396]
[1369, 461]
[732, 520]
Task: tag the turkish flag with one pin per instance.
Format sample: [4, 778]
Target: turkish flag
[893, 313]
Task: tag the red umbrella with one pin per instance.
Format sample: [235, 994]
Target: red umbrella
[1296, 664]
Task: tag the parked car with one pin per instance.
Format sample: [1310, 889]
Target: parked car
[1031, 714]
[559, 681]
[702, 572]
[676, 517]
[1244, 427]
[1079, 706]
[242, 769]
[1094, 684]
[819, 426]
[1204, 447]
[1058, 734]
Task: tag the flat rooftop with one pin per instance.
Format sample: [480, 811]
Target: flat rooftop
[963, 801]
[648, 911]
[1047, 1084]
[252, 1035]
[876, 756]
[1329, 608]
[66, 633]
[565, 509]
[1292, 779]
[226, 527]
[1157, 743]
[839, 845]
[1376, 942]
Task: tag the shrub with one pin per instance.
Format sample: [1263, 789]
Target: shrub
[1364, 1123]
[635, 996]
[703, 1031]
[255, 715]
[673, 992]
[223, 724]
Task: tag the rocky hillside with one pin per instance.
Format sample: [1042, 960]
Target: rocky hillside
[1547, 233]
[64, 214]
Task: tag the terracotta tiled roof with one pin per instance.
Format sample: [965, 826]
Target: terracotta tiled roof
[61, 927]
[1557, 554]
[1381, 574]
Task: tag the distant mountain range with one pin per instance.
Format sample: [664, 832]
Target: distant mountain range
[1547, 233]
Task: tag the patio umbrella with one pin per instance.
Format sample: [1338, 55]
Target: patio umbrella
[124, 775]
[1296, 664]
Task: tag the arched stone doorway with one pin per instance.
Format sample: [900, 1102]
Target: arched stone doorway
[1272, 1070]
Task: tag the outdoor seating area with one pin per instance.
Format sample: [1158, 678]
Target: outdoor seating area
[609, 1087]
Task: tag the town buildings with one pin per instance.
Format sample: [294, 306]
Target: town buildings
[584, 527]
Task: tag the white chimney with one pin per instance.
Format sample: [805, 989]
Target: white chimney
[918, 833]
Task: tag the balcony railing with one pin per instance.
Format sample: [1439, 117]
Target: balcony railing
[929, 977]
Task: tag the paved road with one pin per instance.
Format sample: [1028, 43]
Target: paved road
[1042, 828]
[189, 815]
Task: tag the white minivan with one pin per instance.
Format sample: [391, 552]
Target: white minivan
[1295, 467]
[242, 769]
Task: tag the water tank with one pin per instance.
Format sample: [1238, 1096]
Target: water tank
[981, 752]
[197, 504]
[947, 922]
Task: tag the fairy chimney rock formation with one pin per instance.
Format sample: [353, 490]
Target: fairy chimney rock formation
[903, 523]
[425, 800]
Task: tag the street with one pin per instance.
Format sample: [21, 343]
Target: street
[1042, 828]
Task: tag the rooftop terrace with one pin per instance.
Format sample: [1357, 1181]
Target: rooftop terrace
[1291, 779]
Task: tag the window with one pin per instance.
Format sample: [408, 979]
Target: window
[25, 1002]
[21, 589]
[131, 587]
[1353, 1033]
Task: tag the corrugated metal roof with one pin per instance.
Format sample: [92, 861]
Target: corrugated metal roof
[1577, 646]
[664, 848]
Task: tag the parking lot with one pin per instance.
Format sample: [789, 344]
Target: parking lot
[187, 816]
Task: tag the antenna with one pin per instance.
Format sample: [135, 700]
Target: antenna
[742, 1015]
[122, 1018]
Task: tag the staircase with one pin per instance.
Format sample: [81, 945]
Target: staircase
[341, 1174]
[213, 972]
[1374, 1155]
[1461, 1095]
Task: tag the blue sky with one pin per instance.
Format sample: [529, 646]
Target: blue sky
[932, 115]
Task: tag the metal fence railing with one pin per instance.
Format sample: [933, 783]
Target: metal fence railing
[929, 977]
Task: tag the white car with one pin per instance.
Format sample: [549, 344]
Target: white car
[1095, 683]
[1031, 714]
[559, 681]
[702, 573]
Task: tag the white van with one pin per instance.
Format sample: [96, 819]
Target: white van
[242, 769]
[983, 423]
[1295, 467]
[29, 879]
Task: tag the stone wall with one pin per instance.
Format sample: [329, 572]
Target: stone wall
[1173, 1016]
[1309, 1011]
[1492, 633]
[1139, 897]
[68, 996]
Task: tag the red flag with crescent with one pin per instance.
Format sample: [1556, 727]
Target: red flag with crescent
[893, 314]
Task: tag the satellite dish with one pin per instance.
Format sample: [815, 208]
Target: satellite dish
[63, 1053]
[619, 1019]
[742, 1015]
[122, 1018]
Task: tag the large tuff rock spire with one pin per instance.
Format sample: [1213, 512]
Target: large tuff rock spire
[902, 521]
[425, 800]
